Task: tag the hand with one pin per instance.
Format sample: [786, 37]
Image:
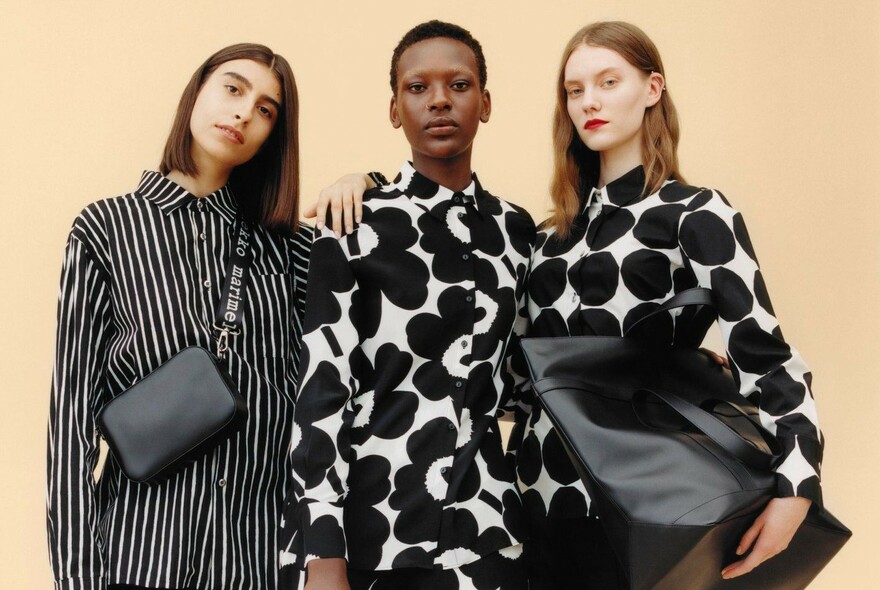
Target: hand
[345, 198]
[773, 529]
[327, 574]
[721, 360]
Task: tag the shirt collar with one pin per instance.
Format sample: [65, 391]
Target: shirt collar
[170, 196]
[435, 198]
[622, 192]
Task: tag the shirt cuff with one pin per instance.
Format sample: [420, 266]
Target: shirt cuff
[322, 532]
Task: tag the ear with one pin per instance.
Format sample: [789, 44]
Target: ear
[487, 107]
[392, 113]
[656, 86]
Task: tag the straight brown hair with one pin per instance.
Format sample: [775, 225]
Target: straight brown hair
[266, 186]
[575, 166]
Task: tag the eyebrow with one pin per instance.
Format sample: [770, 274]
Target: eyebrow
[247, 84]
[608, 70]
[455, 70]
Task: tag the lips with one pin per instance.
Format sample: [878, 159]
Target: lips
[439, 126]
[232, 133]
[594, 124]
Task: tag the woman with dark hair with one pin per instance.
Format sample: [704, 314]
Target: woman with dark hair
[142, 278]
[626, 234]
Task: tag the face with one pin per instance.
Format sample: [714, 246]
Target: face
[607, 98]
[234, 113]
[438, 100]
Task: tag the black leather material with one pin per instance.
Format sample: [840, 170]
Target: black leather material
[674, 459]
[175, 414]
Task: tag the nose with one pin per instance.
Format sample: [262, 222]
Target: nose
[438, 99]
[244, 115]
[590, 101]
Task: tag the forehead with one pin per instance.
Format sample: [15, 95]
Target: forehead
[438, 55]
[588, 60]
[261, 77]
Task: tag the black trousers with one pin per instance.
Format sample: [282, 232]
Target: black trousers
[571, 554]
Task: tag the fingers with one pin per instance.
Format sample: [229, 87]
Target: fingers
[749, 537]
[336, 217]
[771, 533]
[310, 211]
[348, 210]
[320, 208]
[756, 557]
[358, 204]
[716, 358]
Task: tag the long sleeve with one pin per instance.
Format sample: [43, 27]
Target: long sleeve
[715, 244]
[75, 544]
[518, 404]
[323, 413]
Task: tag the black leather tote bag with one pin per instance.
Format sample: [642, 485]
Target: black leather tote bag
[673, 458]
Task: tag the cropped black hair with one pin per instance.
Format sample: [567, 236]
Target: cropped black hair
[432, 30]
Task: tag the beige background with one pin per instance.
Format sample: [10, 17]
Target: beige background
[778, 102]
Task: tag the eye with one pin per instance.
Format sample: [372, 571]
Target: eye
[232, 89]
[609, 82]
[266, 112]
[574, 91]
[461, 85]
[416, 87]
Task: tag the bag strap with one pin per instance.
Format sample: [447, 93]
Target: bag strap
[686, 298]
[760, 457]
[726, 437]
[229, 312]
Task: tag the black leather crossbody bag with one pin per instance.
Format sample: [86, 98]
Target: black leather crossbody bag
[189, 404]
[674, 458]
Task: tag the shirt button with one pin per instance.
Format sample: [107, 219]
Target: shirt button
[464, 343]
[444, 470]
[459, 384]
[460, 214]
[207, 284]
[199, 205]
[222, 483]
[465, 256]
[202, 236]
[450, 426]
[456, 199]
[469, 298]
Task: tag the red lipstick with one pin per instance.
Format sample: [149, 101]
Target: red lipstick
[594, 124]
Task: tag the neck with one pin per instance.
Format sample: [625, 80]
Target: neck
[210, 177]
[615, 163]
[453, 173]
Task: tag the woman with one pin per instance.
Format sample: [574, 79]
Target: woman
[627, 233]
[141, 279]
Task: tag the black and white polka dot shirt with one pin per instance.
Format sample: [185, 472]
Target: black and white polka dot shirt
[627, 253]
[397, 455]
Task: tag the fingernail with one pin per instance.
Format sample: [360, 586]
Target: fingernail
[348, 229]
[739, 551]
[320, 225]
[358, 218]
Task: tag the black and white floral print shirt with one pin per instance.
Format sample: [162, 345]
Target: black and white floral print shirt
[625, 255]
[397, 456]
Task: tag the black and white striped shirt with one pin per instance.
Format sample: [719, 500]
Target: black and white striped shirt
[142, 275]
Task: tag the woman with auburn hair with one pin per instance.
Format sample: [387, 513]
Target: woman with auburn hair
[142, 280]
[627, 233]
